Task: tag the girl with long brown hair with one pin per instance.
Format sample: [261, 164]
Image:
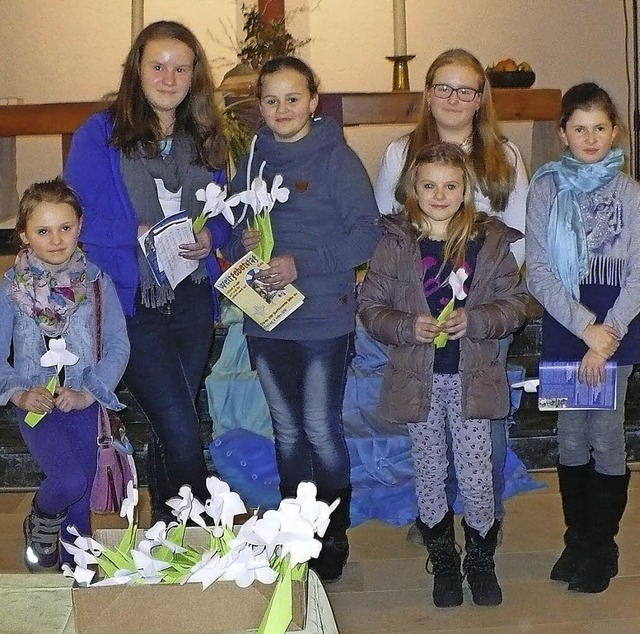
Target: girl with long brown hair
[132, 165]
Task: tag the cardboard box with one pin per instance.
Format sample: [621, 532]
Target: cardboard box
[223, 608]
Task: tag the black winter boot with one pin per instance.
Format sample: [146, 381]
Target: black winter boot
[42, 540]
[335, 545]
[608, 501]
[574, 493]
[479, 566]
[440, 541]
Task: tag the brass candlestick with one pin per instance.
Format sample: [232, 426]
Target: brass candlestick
[400, 72]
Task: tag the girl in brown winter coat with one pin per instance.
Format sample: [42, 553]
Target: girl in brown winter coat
[443, 366]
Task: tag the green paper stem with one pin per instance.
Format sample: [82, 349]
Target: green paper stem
[441, 340]
[32, 419]
[279, 612]
[262, 223]
[200, 221]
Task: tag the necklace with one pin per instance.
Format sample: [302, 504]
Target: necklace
[467, 144]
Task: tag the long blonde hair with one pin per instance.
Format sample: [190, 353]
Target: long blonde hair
[493, 172]
[462, 227]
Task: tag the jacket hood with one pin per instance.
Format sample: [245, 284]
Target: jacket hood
[491, 228]
[324, 134]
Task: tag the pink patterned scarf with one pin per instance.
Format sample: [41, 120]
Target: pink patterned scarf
[49, 295]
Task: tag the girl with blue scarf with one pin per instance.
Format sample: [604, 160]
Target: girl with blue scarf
[583, 266]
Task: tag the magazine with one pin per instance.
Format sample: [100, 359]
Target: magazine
[560, 389]
[266, 307]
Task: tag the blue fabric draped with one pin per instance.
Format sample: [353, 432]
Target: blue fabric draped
[381, 465]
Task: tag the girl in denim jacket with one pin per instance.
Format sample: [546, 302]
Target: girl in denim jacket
[49, 294]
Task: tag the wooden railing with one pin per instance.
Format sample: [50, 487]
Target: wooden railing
[347, 108]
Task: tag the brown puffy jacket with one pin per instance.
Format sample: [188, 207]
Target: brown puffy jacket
[392, 296]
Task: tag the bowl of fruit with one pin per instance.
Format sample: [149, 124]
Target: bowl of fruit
[507, 73]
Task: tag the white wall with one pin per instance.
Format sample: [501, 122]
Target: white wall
[71, 50]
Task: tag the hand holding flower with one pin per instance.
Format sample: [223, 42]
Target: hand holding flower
[455, 325]
[67, 399]
[425, 328]
[37, 399]
[250, 239]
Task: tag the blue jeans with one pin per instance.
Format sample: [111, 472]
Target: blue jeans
[304, 382]
[597, 434]
[169, 351]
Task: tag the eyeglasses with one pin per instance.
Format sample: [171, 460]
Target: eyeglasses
[444, 91]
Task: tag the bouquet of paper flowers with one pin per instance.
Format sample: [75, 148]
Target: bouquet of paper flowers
[258, 197]
[272, 548]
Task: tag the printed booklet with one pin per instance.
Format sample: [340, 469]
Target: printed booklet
[266, 307]
[560, 389]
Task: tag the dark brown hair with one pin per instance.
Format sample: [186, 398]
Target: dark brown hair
[136, 125]
[55, 191]
[288, 62]
[463, 224]
[587, 96]
[493, 172]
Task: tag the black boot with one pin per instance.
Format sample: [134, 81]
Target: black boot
[335, 545]
[440, 541]
[608, 500]
[42, 540]
[574, 493]
[479, 566]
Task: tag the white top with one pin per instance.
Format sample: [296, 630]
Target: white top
[513, 216]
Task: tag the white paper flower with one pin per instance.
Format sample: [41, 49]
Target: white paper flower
[82, 576]
[147, 566]
[129, 503]
[216, 202]
[58, 355]
[87, 544]
[224, 504]
[257, 196]
[315, 511]
[158, 535]
[278, 194]
[456, 281]
[297, 535]
[210, 568]
[248, 567]
[187, 507]
[82, 558]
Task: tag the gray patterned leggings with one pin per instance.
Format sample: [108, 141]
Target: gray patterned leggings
[471, 457]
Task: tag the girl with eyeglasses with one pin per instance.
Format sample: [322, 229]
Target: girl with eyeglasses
[458, 108]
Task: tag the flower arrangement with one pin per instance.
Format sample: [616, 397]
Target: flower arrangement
[262, 200]
[271, 548]
[258, 197]
[265, 40]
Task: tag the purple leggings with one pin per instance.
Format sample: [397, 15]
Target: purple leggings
[64, 446]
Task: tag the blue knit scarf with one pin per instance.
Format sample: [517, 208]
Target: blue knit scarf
[566, 239]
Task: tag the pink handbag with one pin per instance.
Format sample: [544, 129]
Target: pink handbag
[116, 467]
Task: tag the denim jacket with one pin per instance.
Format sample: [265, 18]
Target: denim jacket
[98, 378]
